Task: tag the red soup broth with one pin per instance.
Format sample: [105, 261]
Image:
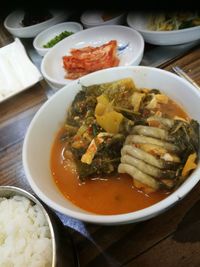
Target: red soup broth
[113, 195]
[107, 196]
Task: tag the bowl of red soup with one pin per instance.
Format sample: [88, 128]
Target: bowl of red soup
[116, 146]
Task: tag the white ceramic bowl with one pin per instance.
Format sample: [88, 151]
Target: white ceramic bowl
[51, 116]
[94, 18]
[48, 34]
[52, 68]
[13, 23]
[139, 23]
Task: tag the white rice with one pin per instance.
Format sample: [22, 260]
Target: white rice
[25, 239]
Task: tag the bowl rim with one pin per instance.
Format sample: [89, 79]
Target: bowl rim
[44, 32]
[22, 192]
[135, 216]
[82, 18]
[46, 56]
[172, 32]
[56, 14]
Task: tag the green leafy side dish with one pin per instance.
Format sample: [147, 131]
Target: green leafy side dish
[57, 39]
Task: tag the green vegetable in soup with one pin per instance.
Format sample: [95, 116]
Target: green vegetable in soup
[115, 127]
[57, 39]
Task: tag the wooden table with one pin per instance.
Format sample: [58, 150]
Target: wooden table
[171, 239]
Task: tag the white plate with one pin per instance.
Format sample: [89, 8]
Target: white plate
[52, 66]
[18, 73]
[50, 33]
[139, 23]
[13, 23]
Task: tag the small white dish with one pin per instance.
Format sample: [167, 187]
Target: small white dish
[51, 116]
[139, 22]
[132, 41]
[96, 18]
[45, 36]
[18, 73]
[13, 23]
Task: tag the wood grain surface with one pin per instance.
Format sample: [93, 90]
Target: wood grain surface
[170, 239]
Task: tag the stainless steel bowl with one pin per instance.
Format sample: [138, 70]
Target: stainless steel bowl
[10, 191]
[64, 251]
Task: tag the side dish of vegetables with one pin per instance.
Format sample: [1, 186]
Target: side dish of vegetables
[118, 128]
[57, 39]
[32, 17]
[173, 21]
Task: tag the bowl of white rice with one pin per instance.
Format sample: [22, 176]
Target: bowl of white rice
[27, 236]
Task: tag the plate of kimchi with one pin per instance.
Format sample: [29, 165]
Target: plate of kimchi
[92, 50]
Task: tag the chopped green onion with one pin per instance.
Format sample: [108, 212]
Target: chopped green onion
[57, 39]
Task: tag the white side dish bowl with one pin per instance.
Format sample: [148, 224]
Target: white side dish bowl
[45, 36]
[51, 116]
[13, 23]
[94, 18]
[139, 22]
[52, 65]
